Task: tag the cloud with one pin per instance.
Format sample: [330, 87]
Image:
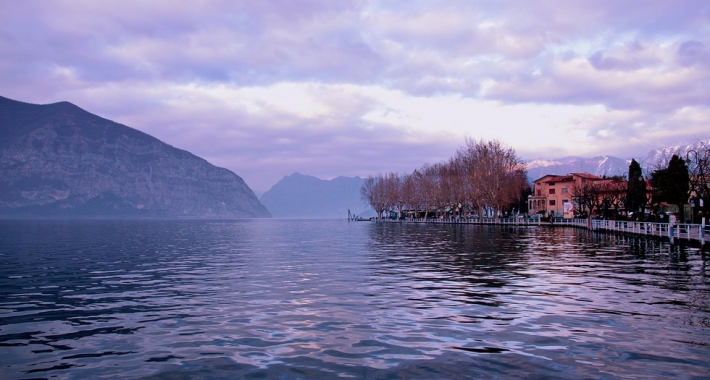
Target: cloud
[263, 133]
[341, 88]
[245, 43]
[692, 53]
[421, 48]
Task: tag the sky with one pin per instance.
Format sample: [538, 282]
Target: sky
[330, 88]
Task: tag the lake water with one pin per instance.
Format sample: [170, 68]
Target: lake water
[327, 298]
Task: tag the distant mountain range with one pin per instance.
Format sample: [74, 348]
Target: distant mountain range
[59, 160]
[660, 157]
[304, 196]
[601, 165]
[609, 165]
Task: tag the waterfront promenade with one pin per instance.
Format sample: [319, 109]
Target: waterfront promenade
[692, 232]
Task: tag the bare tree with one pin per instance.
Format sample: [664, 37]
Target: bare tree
[367, 192]
[699, 172]
[393, 193]
[615, 193]
[373, 192]
[429, 188]
[496, 173]
[583, 195]
[518, 186]
[483, 175]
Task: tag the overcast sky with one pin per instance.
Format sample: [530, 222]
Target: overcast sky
[328, 88]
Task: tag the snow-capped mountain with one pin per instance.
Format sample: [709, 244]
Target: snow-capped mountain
[660, 157]
[610, 165]
[601, 165]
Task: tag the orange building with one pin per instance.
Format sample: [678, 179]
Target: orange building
[552, 194]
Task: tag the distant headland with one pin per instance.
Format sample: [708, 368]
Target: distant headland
[58, 160]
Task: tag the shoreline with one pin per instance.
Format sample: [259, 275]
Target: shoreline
[693, 233]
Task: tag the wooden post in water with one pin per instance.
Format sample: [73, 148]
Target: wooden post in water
[702, 233]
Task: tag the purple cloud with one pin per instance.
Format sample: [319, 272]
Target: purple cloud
[692, 53]
[178, 71]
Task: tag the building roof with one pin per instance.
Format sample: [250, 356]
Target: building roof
[563, 178]
[587, 175]
[554, 178]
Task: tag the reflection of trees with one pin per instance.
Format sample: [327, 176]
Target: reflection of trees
[649, 265]
[470, 264]
[485, 264]
[687, 277]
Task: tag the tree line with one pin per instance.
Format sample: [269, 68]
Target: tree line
[483, 178]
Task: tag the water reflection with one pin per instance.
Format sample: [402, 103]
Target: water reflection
[550, 277]
[319, 299]
[445, 265]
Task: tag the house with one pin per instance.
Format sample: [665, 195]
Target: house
[552, 194]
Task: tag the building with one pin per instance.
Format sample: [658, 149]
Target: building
[552, 194]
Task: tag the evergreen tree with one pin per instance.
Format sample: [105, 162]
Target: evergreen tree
[636, 188]
[658, 180]
[672, 185]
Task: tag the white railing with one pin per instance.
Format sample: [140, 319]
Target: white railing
[570, 222]
[698, 232]
[496, 221]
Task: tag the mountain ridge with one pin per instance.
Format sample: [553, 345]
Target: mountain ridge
[304, 196]
[606, 165]
[61, 160]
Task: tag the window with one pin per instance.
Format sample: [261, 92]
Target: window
[565, 200]
[565, 190]
[539, 193]
[552, 191]
[552, 202]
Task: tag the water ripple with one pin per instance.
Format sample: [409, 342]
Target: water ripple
[326, 298]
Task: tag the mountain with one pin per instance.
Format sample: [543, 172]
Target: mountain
[601, 165]
[304, 196]
[609, 165]
[59, 160]
[660, 157]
